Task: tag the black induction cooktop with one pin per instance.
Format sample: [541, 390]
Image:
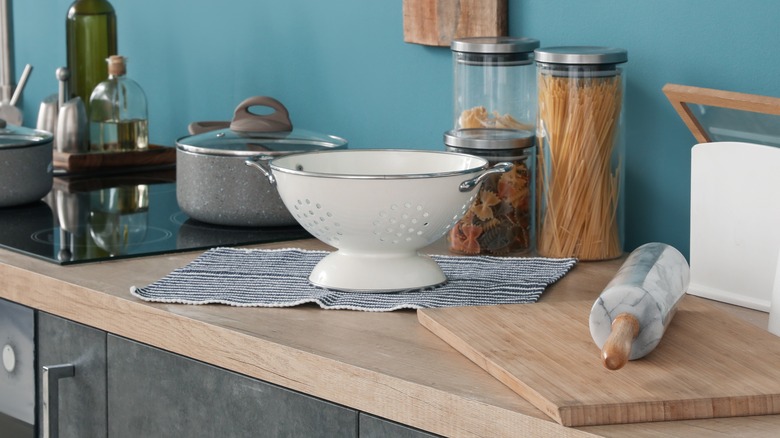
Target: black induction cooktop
[102, 218]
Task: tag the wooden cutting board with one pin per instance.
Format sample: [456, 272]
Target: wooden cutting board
[438, 22]
[709, 364]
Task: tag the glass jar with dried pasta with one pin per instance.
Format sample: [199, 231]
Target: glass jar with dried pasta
[501, 219]
[580, 152]
[494, 82]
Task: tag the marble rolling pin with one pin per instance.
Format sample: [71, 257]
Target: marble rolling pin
[630, 316]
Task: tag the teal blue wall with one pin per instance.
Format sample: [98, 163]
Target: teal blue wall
[342, 67]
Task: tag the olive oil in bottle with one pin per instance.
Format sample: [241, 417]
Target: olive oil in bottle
[118, 112]
[119, 135]
[91, 39]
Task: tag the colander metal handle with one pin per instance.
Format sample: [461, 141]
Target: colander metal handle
[260, 162]
[469, 184]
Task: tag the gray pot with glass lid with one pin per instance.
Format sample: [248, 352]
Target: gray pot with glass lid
[25, 164]
[213, 183]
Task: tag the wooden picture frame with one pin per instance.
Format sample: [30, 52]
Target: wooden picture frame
[682, 96]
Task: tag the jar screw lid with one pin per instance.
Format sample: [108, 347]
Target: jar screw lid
[581, 55]
[495, 45]
[489, 138]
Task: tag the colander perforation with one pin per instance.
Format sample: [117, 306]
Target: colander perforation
[463, 209]
[317, 220]
[401, 223]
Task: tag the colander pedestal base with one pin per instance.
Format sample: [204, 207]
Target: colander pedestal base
[376, 273]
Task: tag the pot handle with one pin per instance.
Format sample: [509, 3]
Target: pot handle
[469, 184]
[201, 127]
[260, 162]
[246, 121]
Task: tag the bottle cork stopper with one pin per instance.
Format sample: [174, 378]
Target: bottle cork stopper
[116, 65]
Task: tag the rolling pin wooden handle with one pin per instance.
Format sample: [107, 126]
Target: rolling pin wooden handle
[617, 349]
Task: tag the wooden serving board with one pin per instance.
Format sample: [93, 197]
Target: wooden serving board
[154, 156]
[438, 22]
[709, 364]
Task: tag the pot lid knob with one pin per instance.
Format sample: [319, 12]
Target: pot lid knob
[247, 121]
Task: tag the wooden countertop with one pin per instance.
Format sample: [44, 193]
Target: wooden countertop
[385, 364]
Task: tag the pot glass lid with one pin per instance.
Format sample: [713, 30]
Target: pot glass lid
[233, 143]
[260, 126]
[12, 136]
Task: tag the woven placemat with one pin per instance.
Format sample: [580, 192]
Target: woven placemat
[279, 278]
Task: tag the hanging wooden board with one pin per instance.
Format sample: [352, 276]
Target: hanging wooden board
[709, 364]
[438, 22]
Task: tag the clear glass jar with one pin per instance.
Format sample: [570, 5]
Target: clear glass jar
[580, 152]
[494, 83]
[118, 112]
[501, 220]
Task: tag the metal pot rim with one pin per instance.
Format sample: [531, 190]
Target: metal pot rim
[326, 142]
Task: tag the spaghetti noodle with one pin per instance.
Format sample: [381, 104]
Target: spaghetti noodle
[578, 177]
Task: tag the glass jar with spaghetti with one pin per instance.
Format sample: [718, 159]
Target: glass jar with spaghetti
[580, 152]
[494, 82]
[501, 219]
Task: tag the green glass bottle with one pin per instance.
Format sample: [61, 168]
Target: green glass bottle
[91, 39]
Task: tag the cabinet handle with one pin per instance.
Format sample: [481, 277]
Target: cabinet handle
[51, 397]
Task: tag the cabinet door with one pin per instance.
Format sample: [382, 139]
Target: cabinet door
[17, 372]
[82, 398]
[375, 427]
[154, 393]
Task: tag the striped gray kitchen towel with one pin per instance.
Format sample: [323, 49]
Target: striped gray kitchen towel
[279, 278]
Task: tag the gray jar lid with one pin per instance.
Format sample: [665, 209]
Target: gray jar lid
[489, 139]
[581, 55]
[497, 45]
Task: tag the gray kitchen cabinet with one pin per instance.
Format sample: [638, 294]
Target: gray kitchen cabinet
[82, 398]
[154, 393]
[375, 427]
[17, 370]
[122, 388]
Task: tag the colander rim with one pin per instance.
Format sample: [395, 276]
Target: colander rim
[471, 170]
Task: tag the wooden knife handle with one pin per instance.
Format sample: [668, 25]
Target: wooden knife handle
[617, 349]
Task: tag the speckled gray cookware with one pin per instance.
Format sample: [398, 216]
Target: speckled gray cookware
[25, 164]
[212, 182]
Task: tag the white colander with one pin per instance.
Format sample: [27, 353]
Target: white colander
[378, 208]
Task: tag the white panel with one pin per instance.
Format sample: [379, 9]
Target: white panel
[774, 312]
[735, 222]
